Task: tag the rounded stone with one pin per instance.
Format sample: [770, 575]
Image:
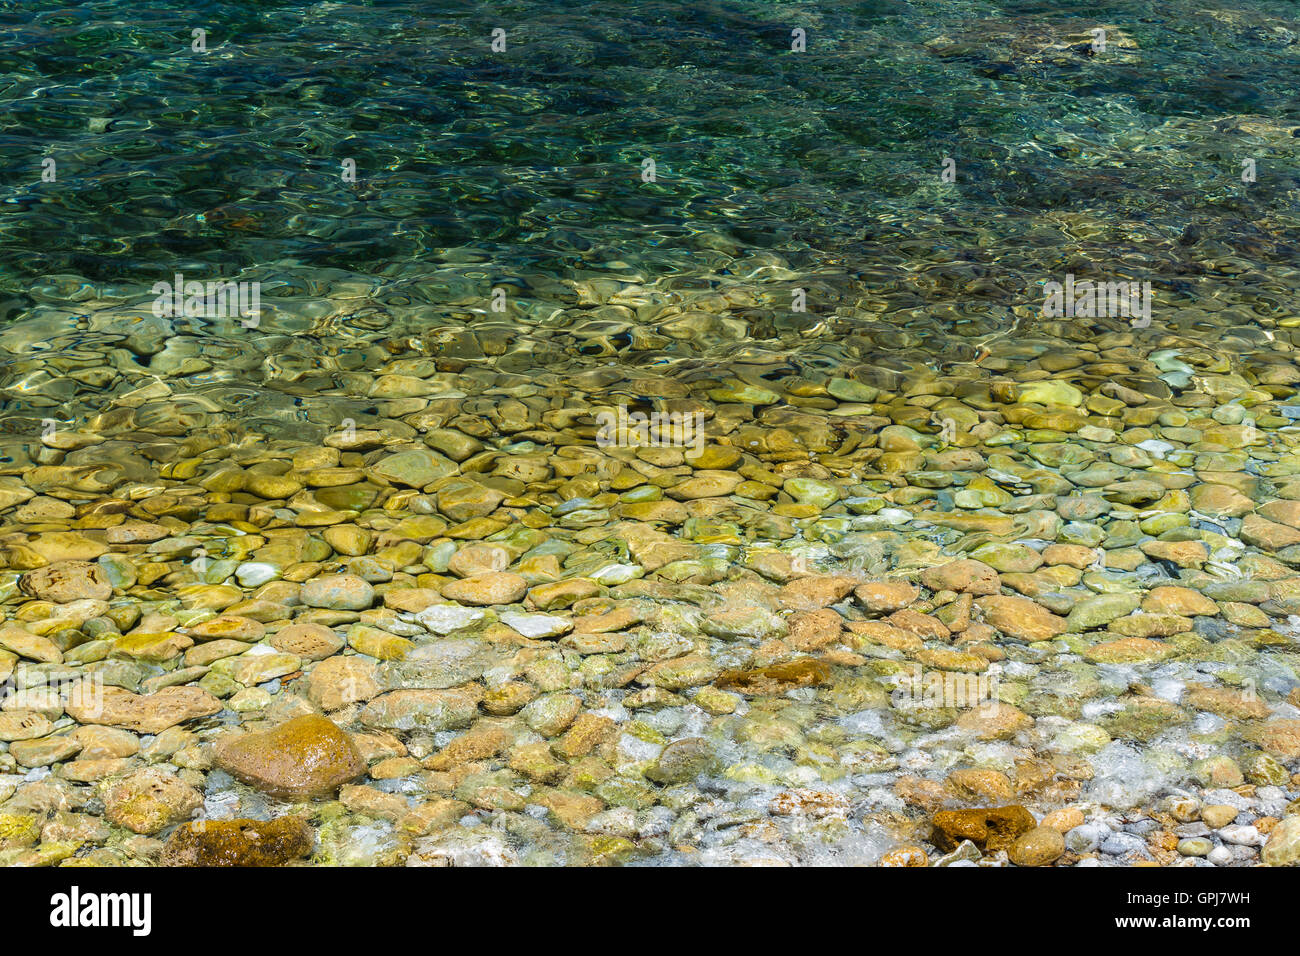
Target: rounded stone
[1039, 847]
[338, 592]
[149, 800]
[308, 756]
[483, 590]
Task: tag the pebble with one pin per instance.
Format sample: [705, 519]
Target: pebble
[149, 800]
[1241, 835]
[308, 756]
[339, 592]
[1220, 856]
[489, 589]
[1040, 846]
[1218, 815]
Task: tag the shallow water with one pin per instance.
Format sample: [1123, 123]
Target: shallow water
[829, 264]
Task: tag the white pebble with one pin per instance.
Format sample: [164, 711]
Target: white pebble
[1242, 835]
[253, 574]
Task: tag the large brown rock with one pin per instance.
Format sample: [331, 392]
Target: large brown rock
[305, 757]
[238, 843]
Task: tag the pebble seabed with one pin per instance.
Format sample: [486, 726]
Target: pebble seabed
[1036, 607]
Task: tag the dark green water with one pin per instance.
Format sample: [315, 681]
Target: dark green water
[524, 167]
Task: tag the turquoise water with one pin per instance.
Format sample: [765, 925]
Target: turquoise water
[524, 167]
